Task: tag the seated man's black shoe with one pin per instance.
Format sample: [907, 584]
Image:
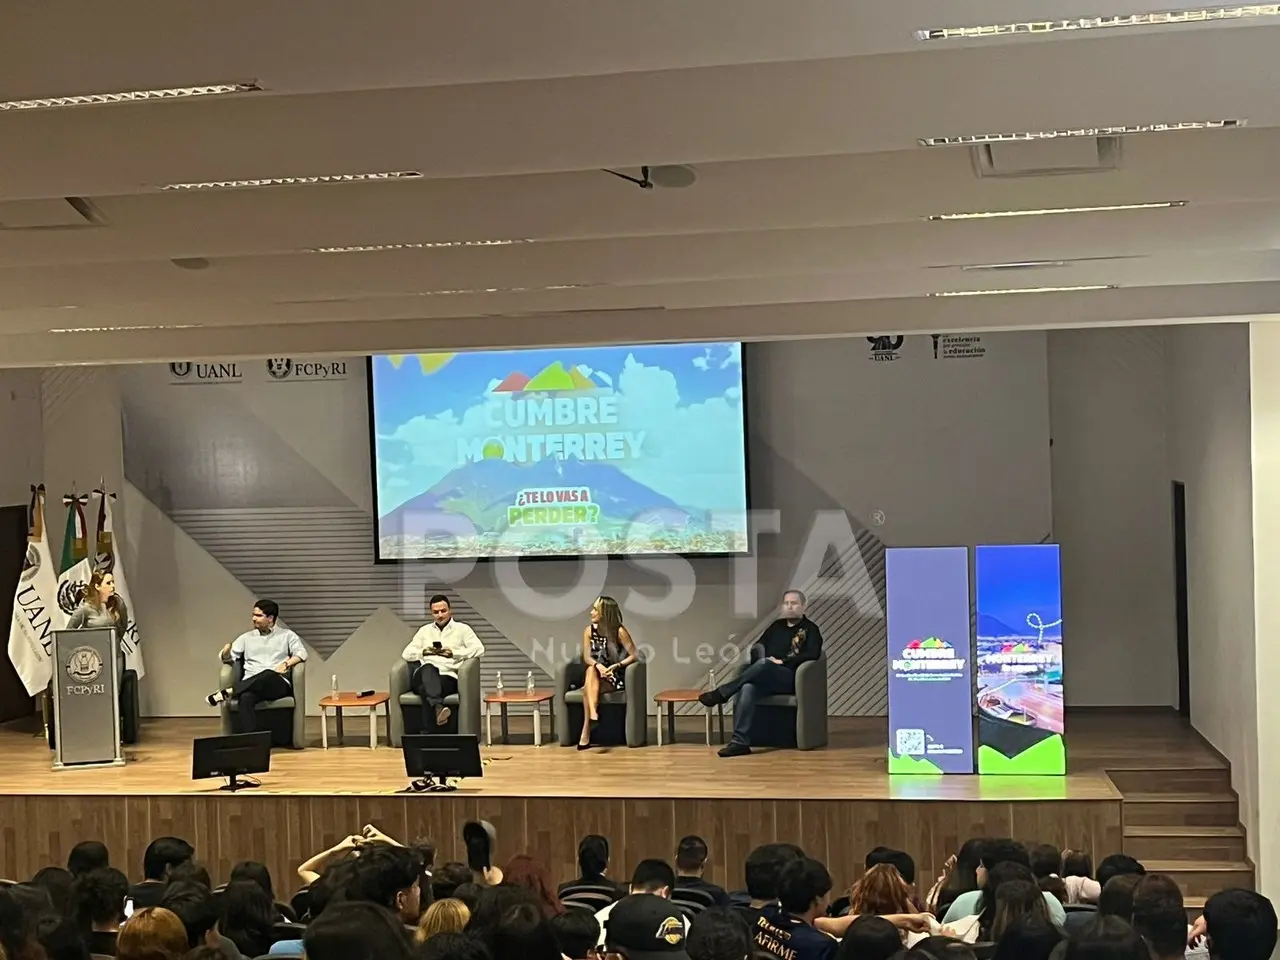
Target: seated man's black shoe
[735, 750]
[712, 698]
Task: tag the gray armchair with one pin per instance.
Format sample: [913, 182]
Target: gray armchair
[806, 708]
[283, 733]
[466, 703]
[634, 697]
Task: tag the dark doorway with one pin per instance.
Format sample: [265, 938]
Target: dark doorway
[14, 701]
[1180, 596]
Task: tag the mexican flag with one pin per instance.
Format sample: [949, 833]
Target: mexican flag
[107, 558]
[36, 614]
[76, 566]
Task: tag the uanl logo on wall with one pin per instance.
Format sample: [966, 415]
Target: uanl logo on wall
[958, 346]
[205, 372]
[292, 369]
[885, 348]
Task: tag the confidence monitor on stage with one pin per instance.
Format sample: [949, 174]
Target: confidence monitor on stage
[428, 757]
[231, 757]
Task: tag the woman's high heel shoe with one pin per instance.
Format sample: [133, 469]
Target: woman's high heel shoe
[584, 746]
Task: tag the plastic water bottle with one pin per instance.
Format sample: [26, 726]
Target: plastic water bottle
[528, 684]
[711, 679]
[498, 688]
[333, 686]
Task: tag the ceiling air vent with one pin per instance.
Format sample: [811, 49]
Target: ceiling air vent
[1047, 158]
[65, 213]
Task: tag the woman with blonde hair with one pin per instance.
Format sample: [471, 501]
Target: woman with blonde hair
[607, 651]
[443, 916]
[152, 933]
[881, 891]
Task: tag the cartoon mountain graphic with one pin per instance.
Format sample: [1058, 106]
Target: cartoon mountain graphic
[914, 645]
[936, 643]
[551, 377]
[514, 382]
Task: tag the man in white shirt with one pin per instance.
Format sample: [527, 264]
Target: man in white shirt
[269, 652]
[650, 876]
[437, 649]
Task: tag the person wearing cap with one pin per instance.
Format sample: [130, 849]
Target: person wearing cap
[651, 877]
[644, 926]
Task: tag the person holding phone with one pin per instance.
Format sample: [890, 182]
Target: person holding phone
[435, 652]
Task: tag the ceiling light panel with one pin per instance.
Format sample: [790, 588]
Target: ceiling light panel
[293, 181]
[1015, 290]
[428, 245]
[130, 96]
[1052, 211]
[973, 139]
[1163, 18]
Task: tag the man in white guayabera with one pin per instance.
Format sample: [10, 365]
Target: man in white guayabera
[435, 652]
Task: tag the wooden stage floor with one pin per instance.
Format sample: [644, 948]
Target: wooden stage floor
[836, 803]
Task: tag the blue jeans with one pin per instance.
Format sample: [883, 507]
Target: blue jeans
[760, 679]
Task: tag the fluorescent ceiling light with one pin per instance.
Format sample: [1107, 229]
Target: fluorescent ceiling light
[156, 326]
[1023, 136]
[995, 293]
[455, 292]
[293, 181]
[130, 96]
[1164, 18]
[1050, 211]
[1015, 265]
[430, 245]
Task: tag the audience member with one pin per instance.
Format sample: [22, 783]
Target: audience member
[98, 900]
[577, 932]
[787, 931]
[1046, 861]
[651, 876]
[16, 940]
[1117, 896]
[190, 871]
[523, 932]
[898, 859]
[193, 904]
[646, 927]
[1014, 900]
[1031, 936]
[254, 872]
[959, 875]
[978, 926]
[764, 867]
[468, 893]
[1055, 886]
[869, 938]
[692, 893]
[60, 939]
[1106, 938]
[245, 916]
[357, 931]
[158, 860]
[87, 855]
[1118, 865]
[152, 933]
[455, 946]
[443, 916]
[718, 933]
[995, 852]
[493, 904]
[1160, 917]
[592, 890]
[524, 871]
[388, 876]
[450, 876]
[881, 890]
[1077, 874]
[939, 948]
[1239, 925]
[56, 882]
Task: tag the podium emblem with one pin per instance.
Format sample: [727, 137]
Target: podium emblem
[84, 665]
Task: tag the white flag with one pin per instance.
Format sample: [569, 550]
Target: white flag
[36, 614]
[109, 558]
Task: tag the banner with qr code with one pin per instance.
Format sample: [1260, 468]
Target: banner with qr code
[1019, 689]
[930, 674]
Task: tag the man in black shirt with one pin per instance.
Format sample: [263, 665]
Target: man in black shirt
[692, 893]
[787, 642]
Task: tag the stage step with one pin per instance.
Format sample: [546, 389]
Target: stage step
[1203, 878]
[1214, 779]
[1170, 842]
[1180, 809]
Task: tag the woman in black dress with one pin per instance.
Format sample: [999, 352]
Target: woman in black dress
[607, 650]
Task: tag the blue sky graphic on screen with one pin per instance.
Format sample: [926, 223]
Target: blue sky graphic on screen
[564, 451]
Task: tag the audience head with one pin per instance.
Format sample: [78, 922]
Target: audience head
[881, 890]
[163, 854]
[653, 876]
[468, 893]
[523, 931]
[803, 887]
[1054, 886]
[16, 942]
[356, 931]
[194, 905]
[577, 932]
[719, 933]
[254, 872]
[691, 856]
[494, 902]
[56, 882]
[152, 933]
[98, 898]
[1077, 863]
[1028, 938]
[61, 939]
[1118, 865]
[898, 859]
[869, 938]
[1003, 873]
[245, 916]
[1116, 899]
[450, 876]
[645, 927]
[330, 886]
[1241, 925]
[87, 855]
[389, 877]
[593, 855]
[524, 871]
[1001, 850]
[455, 946]
[764, 867]
[939, 948]
[1046, 861]
[190, 871]
[1159, 916]
[1016, 900]
[1106, 938]
[443, 916]
[963, 877]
